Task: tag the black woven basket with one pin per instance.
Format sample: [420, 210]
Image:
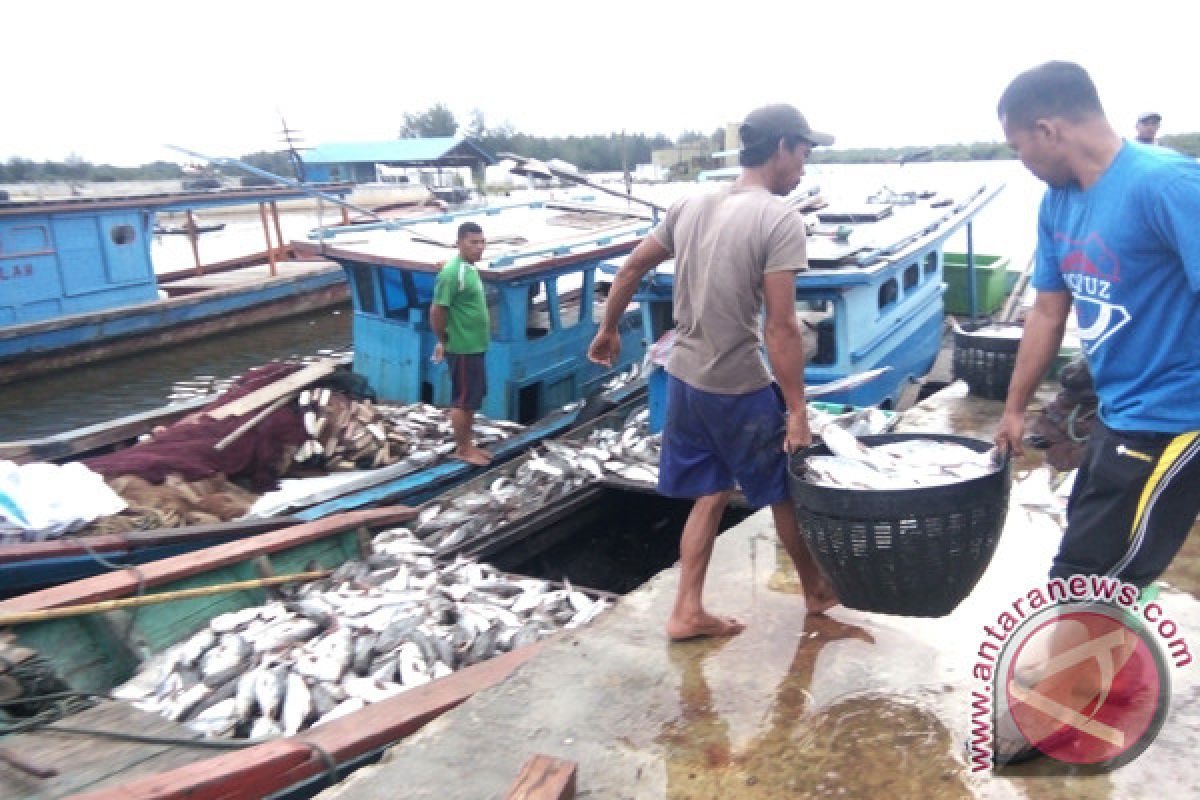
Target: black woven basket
[913, 552]
[985, 362]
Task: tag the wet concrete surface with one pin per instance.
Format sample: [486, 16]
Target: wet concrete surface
[849, 704]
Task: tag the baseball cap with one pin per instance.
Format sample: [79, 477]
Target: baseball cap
[781, 119]
[1149, 116]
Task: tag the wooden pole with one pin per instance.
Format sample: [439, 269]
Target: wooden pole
[262, 212]
[195, 241]
[42, 615]
[250, 423]
[278, 231]
[346, 216]
[1014, 297]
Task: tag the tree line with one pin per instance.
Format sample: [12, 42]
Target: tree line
[592, 153]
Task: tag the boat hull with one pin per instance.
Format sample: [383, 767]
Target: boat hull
[49, 346]
[34, 565]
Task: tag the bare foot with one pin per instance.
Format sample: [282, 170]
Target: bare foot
[702, 625]
[480, 458]
[819, 596]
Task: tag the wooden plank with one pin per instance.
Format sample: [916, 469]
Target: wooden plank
[167, 570]
[132, 541]
[83, 609]
[544, 778]
[85, 762]
[268, 768]
[277, 389]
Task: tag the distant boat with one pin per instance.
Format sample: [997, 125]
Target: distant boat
[80, 286]
[399, 210]
[454, 195]
[182, 228]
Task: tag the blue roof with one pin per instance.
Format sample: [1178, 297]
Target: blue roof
[431, 149]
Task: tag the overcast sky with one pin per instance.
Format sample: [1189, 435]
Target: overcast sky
[114, 81]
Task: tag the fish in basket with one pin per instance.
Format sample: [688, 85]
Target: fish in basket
[904, 523]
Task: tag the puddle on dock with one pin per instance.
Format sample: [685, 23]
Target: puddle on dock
[865, 705]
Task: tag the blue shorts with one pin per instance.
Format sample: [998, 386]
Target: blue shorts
[713, 441]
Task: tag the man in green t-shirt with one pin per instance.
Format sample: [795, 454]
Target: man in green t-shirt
[459, 317]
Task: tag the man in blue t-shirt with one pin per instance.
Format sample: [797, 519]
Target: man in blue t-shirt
[1118, 238]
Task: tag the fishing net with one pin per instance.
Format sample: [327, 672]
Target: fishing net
[31, 691]
[914, 552]
[187, 448]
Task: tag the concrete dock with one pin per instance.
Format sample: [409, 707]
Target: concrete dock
[847, 704]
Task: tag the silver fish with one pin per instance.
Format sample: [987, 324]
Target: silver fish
[269, 689]
[347, 706]
[413, 668]
[297, 704]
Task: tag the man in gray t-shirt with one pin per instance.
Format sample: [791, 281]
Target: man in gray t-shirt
[736, 252]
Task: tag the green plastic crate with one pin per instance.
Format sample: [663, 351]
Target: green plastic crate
[992, 283]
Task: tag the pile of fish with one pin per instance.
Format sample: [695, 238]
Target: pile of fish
[348, 434]
[370, 631]
[553, 470]
[907, 464]
[558, 467]
[858, 421]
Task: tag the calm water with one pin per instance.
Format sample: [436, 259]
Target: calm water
[89, 395]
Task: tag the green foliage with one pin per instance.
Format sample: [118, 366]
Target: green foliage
[278, 163]
[1186, 143]
[977, 151]
[75, 169]
[436, 121]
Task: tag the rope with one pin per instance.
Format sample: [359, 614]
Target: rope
[331, 765]
[1075, 416]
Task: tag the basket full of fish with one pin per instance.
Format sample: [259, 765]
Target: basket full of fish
[901, 523]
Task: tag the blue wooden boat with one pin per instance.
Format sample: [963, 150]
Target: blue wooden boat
[79, 284]
[28, 566]
[871, 298]
[540, 279]
[539, 271]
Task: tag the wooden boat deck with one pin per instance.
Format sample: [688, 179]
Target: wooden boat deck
[85, 762]
[251, 275]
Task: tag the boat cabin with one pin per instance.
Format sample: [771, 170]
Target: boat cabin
[81, 254]
[871, 298]
[539, 272]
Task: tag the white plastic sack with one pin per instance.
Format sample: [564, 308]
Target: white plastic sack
[43, 501]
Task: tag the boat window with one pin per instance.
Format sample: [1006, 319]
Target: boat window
[931, 262]
[816, 319]
[122, 234]
[529, 403]
[889, 291]
[24, 240]
[912, 276]
[569, 306]
[495, 309]
[537, 324]
[363, 278]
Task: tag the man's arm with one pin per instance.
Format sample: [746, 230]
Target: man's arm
[785, 352]
[645, 257]
[1044, 328]
[438, 317]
